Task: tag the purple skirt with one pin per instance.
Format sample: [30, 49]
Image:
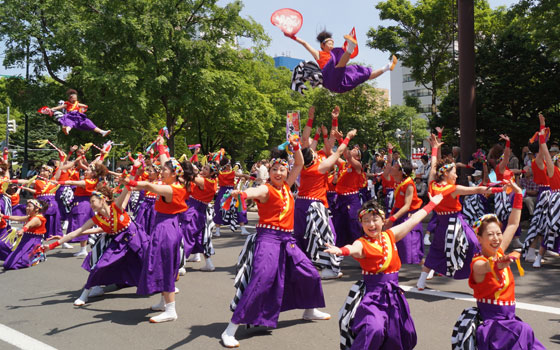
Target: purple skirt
[5, 247]
[331, 199]
[382, 320]
[77, 120]
[411, 247]
[282, 279]
[81, 212]
[193, 223]
[437, 259]
[300, 222]
[501, 329]
[19, 210]
[161, 260]
[19, 258]
[344, 78]
[121, 262]
[365, 194]
[345, 219]
[241, 215]
[52, 214]
[146, 215]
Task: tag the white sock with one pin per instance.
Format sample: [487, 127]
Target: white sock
[421, 284]
[83, 298]
[159, 306]
[231, 329]
[386, 67]
[83, 249]
[228, 336]
[168, 315]
[351, 46]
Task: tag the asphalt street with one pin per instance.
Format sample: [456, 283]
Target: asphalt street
[38, 302]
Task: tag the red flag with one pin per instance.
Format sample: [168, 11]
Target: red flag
[353, 35]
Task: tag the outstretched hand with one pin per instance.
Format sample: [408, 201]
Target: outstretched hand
[435, 199]
[541, 120]
[504, 137]
[331, 249]
[335, 112]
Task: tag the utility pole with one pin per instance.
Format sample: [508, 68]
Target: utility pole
[7, 126]
[467, 106]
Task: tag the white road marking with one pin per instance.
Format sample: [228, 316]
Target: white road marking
[20, 340]
[467, 297]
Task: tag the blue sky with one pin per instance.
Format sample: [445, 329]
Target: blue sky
[336, 16]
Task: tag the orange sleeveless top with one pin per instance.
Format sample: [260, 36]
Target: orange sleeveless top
[115, 224]
[41, 229]
[555, 179]
[313, 184]
[324, 58]
[207, 193]
[86, 191]
[381, 255]
[226, 178]
[177, 204]
[387, 184]
[15, 199]
[400, 194]
[278, 211]
[540, 177]
[43, 187]
[349, 180]
[491, 290]
[448, 204]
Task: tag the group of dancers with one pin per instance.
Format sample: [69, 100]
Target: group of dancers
[160, 214]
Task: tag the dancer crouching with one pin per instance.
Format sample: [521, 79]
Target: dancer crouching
[281, 277]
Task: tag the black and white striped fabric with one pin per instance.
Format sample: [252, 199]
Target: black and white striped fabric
[456, 246]
[183, 263]
[463, 336]
[244, 269]
[539, 221]
[7, 207]
[100, 243]
[208, 227]
[553, 220]
[390, 200]
[502, 206]
[318, 232]
[306, 71]
[67, 197]
[472, 208]
[347, 312]
[134, 201]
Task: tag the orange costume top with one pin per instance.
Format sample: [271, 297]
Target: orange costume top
[39, 230]
[324, 58]
[116, 223]
[177, 204]
[87, 190]
[226, 178]
[448, 204]
[44, 188]
[73, 175]
[387, 184]
[70, 107]
[15, 199]
[349, 181]
[313, 184]
[499, 175]
[540, 177]
[207, 193]
[493, 290]
[381, 255]
[400, 194]
[278, 211]
[555, 180]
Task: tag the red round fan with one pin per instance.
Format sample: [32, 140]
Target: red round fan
[288, 20]
[45, 110]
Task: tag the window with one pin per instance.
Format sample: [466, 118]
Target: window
[418, 93]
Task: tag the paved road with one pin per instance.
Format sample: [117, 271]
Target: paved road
[38, 303]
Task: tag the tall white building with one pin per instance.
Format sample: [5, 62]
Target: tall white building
[403, 85]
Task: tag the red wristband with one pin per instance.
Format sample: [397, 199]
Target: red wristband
[53, 245]
[434, 152]
[133, 172]
[296, 147]
[61, 157]
[309, 122]
[392, 218]
[133, 183]
[440, 135]
[316, 137]
[334, 123]
[346, 141]
[345, 251]
[161, 149]
[5, 217]
[69, 154]
[542, 138]
[508, 144]
[497, 189]
[468, 166]
[518, 201]
[390, 151]
[243, 196]
[61, 183]
[14, 181]
[102, 156]
[541, 127]
[429, 207]
[340, 141]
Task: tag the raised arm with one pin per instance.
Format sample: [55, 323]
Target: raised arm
[507, 154]
[436, 144]
[314, 52]
[514, 217]
[544, 149]
[298, 162]
[308, 127]
[327, 164]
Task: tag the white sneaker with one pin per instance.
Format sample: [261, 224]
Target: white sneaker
[66, 246]
[194, 258]
[209, 266]
[531, 255]
[229, 341]
[65, 225]
[96, 291]
[177, 290]
[182, 271]
[315, 315]
[328, 274]
[430, 275]
[538, 261]
[168, 315]
[244, 231]
[105, 133]
[82, 299]
[427, 240]
[81, 254]
[217, 232]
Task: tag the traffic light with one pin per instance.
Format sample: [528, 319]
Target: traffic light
[12, 126]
